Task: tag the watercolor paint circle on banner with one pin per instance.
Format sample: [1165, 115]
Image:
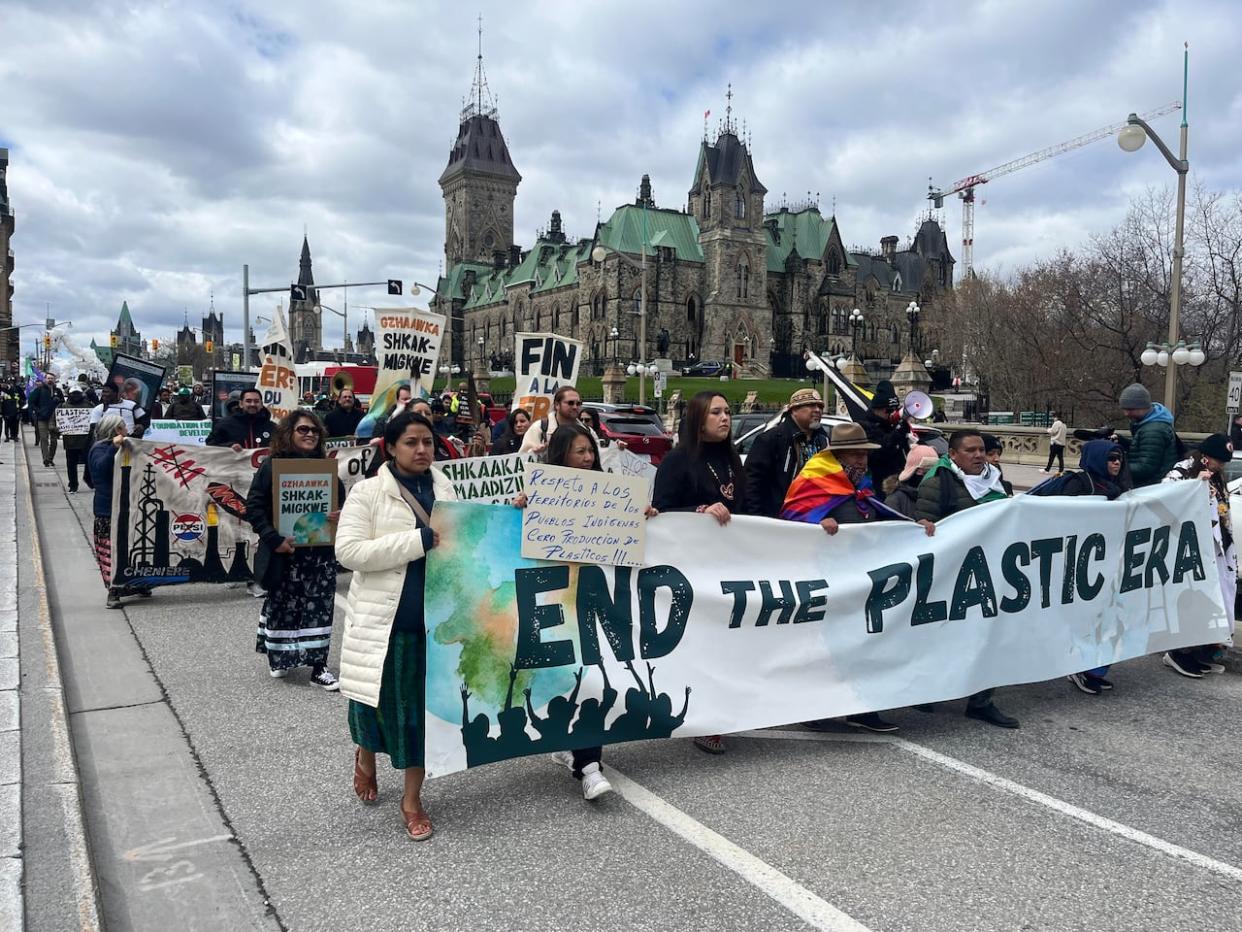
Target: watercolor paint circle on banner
[188, 527]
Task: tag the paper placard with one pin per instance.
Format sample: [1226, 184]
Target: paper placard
[303, 492]
[73, 422]
[181, 431]
[544, 362]
[494, 480]
[584, 516]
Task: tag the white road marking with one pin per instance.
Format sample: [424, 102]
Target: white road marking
[790, 894]
[1135, 835]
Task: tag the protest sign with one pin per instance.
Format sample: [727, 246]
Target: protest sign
[191, 432]
[625, 462]
[761, 622]
[136, 379]
[277, 378]
[225, 383]
[303, 493]
[407, 344]
[185, 375]
[584, 516]
[544, 362]
[73, 422]
[495, 480]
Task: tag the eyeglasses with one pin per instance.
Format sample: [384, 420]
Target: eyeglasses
[306, 430]
[573, 404]
[1114, 459]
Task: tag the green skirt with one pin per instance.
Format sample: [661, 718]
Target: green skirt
[396, 727]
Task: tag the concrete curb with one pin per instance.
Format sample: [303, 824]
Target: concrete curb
[12, 864]
[83, 881]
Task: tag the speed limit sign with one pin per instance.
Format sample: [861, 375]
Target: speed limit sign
[1233, 401]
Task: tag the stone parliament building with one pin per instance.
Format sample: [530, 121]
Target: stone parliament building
[727, 279]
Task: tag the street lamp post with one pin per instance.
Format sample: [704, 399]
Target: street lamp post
[1131, 139]
[912, 315]
[856, 324]
[644, 372]
[613, 334]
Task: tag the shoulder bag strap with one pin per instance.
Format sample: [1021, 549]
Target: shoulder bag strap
[419, 511]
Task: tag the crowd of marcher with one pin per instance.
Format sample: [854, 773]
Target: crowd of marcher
[881, 467]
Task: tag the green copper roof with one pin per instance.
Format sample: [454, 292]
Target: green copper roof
[623, 232]
[450, 285]
[125, 318]
[806, 230]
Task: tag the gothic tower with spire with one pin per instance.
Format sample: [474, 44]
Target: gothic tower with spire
[479, 182]
[305, 320]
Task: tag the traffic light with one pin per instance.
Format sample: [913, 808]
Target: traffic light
[209, 345]
[114, 340]
[155, 345]
[47, 341]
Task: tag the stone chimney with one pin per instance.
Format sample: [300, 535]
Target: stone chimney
[515, 256]
[498, 258]
[888, 249]
[555, 233]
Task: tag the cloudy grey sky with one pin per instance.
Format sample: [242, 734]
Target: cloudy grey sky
[155, 147]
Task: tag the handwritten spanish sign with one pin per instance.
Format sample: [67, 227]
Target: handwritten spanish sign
[583, 516]
[494, 480]
[545, 362]
[304, 492]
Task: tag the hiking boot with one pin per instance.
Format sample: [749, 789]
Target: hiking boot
[594, 783]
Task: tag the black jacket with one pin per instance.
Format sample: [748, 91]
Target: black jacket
[894, 443]
[252, 433]
[904, 498]
[683, 484]
[773, 463]
[342, 423]
[43, 402]
[185, 410]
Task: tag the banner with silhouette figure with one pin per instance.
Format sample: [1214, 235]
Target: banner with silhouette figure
[764, 622]
[179, 510]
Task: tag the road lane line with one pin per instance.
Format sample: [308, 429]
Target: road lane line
[790, 894]
[1135, 835]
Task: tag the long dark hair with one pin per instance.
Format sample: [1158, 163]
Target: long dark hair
[510, 432]
[690, 437]
[282, 437]
[563, 438]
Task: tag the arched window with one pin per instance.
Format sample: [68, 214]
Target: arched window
[838, 320]
[821, 323]
[743, 279]
[554, 323]
[574, 321]
[597, 307]
[707, 203]
[638, 301]
[834, 263]
[690, 310]
[739, 204]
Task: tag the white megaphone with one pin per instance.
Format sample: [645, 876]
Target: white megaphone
[919, 406]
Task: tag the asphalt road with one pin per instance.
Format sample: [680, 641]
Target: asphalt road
[1113, 812]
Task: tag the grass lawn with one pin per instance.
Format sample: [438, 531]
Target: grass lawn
[772, 392]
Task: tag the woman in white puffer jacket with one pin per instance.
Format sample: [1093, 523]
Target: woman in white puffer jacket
[383, 536]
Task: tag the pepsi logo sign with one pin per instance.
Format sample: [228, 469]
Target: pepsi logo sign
[187, 527]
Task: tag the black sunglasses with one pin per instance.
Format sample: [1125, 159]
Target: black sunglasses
[306, 429]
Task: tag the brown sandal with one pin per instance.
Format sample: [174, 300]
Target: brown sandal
[365, 787]
[417, 825]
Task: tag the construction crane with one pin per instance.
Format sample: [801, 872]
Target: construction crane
[965, 189]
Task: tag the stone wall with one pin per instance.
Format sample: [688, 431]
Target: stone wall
[1029, 445]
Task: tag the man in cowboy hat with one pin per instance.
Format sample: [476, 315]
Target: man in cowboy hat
[958, 481]
[889, 430]
[780, 452]
[834, 489]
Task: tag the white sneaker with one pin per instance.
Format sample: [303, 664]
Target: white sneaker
[1209, 667]
[325, 680]
[564, 758]
[278, 674]
[256, 590]
[594, 783]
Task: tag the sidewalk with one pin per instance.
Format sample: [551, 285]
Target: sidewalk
[11, 863]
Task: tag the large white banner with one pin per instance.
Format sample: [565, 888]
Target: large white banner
[278, 380]
[762, 622]
[543, 363]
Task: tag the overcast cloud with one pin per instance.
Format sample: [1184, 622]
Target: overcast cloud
[155, 147]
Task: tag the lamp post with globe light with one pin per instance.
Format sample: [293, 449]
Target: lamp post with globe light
[1131, 139]
[856, 320]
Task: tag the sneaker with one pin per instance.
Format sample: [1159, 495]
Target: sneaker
[1084, 683]
[1182, 665]
[1100, 683]
[256, 590]
[114, 599]
[594, 783]
[1044, 471]
[325, 680]
[564, 758]
[870, 721]
[278, 674]
[1210, 667]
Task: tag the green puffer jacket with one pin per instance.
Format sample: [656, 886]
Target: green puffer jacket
[1152, 453]
[930, 505]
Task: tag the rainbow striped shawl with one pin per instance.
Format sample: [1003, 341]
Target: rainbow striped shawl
[821, 486]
